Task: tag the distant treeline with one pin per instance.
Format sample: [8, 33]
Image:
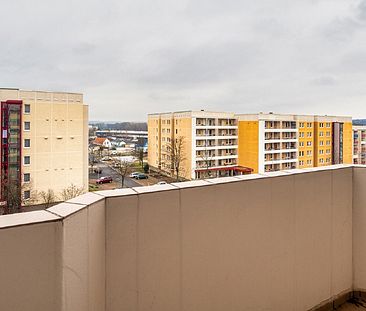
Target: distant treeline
[127, 126]
[359, 122]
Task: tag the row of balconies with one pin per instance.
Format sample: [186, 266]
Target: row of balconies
[280, 125]
[218, 153]
[215, 122]
[219, 142]
[279, 136]
[215, 163]
[203, 133]
[279, 146]
[279, 166]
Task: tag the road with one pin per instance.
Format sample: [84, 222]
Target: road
[107, 171]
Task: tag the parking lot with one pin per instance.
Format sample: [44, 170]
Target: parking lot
[116, 183]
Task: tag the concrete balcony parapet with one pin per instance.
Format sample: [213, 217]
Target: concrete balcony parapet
[287, 240]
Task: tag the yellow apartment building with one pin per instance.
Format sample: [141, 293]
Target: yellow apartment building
[210, 143]
[44, 141]
[272, 142]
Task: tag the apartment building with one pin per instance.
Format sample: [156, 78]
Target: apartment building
[228, 144]
[209, 143]
[273, 142]
[44, 137]
[359, 144]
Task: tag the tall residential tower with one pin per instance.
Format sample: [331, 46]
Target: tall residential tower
[44, 138]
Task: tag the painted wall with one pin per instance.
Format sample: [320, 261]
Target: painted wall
[347, 143]
[248, 144]
[247, 245]
[306, 151]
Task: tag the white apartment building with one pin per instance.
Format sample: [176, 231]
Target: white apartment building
[359, 144]
[210, 143]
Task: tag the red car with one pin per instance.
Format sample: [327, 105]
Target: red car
[104, 180]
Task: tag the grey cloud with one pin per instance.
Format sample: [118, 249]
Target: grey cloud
[131, 57]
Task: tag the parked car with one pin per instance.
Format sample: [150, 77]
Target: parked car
[162, 182]
[104, 159]
[142, 176]
[104, 180]
[98, 170]
[134, 174]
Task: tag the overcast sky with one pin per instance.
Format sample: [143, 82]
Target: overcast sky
[133, 57]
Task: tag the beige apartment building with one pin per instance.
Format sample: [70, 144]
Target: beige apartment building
[220, 144]
[359, 144]
[44, 141]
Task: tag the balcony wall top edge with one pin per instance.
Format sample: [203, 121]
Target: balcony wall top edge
[66, 209]
[28, 218]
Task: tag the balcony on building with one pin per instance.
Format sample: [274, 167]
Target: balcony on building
[272, 136]
[272, 124]
[289, 240]
[272, 146]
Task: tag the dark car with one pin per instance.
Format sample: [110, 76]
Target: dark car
[141, 176]
[104, 180]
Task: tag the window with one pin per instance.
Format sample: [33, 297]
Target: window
[308, 162]
[327, 160]
[309, 124]
[327, 124]
[328, 151]
[301, 124]
[328, 133]
[301, 163]
[27, 108]
[26, 126]
[26, 160]
[301, 134]
[321, 160]
[308, 143]
[309, 134]
[321, 124]
[328, 142]
[321, 134]
[309, 152]
[301, 153]
[26, 194]
[27, 143]
[321, 143]
[26, 177]
[321, 151]
[301, 144]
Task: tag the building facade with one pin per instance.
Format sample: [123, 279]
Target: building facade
[273, 142]
[359, 144]
[209, 143]
[44, 142]
[226, 144]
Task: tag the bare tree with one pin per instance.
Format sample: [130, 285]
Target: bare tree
[48, 197]
[123, 168]
[14, 196]
[139, 154]
[175, 155]
[71, 192]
